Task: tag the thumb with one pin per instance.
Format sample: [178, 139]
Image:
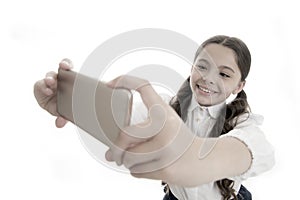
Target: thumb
[60, 122]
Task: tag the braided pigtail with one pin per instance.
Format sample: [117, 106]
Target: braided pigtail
[236, 108]
[181, 101]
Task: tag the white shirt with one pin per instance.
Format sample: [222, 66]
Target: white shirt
[201, 120]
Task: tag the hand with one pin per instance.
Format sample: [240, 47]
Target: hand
[45, 92]
[150, 148]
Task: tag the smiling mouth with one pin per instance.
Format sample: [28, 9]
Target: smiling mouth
[203, 89]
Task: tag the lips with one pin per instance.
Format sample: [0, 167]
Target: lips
[204, 89]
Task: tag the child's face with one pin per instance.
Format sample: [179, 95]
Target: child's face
[215, 75]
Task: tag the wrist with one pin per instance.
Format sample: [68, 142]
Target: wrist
[144, 86]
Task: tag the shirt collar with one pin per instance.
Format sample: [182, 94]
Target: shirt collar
[213, 111]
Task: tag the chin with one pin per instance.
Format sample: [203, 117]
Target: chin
[207, 102]
[204, 103]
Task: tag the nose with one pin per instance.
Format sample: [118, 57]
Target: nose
[208, 78]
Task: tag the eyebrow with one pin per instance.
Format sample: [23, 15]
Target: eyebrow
[229, 68]
[223, 66]
[204, 60]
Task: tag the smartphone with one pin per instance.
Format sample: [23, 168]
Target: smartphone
[91, 105]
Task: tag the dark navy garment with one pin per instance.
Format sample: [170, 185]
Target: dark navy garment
[243, 194]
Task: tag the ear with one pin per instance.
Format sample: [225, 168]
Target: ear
[239, 88]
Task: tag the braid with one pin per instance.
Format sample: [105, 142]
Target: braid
[181, 101]
[226, 187]
[234, 109]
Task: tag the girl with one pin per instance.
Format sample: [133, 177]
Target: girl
[220, 68]
[207, 152]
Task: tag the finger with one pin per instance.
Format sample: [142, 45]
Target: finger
[160, 151]
[109, 156]
[138, 152]
[144, 157]
[148, 94]
[128, 82]
[40, 88]
[51, 74]
[152, 126]
[51, 80]
[60, 122]
[66, 64]
[154, 175]
[138, 162]
[155, 159]
[123, 142]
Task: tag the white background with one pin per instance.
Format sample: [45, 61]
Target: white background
[39, 161]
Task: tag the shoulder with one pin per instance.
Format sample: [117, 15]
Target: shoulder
[249, 119]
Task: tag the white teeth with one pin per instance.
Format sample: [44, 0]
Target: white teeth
[204, 89]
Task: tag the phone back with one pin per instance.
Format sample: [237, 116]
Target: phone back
[91, 105]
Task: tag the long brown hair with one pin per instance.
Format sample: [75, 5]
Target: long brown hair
[228, 118]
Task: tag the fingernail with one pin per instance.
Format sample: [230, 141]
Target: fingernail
[49, 78]
[108, 155]
[67, 62]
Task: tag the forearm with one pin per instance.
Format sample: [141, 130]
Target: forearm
[209, 159]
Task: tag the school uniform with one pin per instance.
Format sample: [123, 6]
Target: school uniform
[201, 121]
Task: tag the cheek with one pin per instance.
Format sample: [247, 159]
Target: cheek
[226, 88]
[225, 93]
[195, 75]
[229, 90]
[194, 78]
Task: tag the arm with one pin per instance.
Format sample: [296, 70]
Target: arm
[172, 153]
[228, 157]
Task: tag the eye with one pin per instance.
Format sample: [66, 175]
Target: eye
[201, 67]
[224, 75]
